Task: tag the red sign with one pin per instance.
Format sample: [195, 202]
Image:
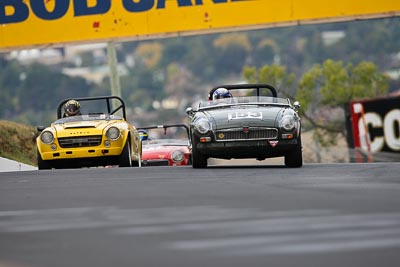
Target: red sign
[375, 125]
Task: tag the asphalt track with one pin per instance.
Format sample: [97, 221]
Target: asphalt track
[318, 215]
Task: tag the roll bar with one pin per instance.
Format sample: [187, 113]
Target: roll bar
[165, 127]
[257, 86]
[107, 99]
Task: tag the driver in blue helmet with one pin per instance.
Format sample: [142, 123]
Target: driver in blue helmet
[222, 93]
[143, 135]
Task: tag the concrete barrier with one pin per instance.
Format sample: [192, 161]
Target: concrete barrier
[7, 165]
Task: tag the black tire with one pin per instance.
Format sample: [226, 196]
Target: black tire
[42, 164]
[294, 159]
[126, 156]
[198, 159]
[138, 163]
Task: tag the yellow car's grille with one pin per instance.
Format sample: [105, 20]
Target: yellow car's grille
[246, 133]
[82, 141]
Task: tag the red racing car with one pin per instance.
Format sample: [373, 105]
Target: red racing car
[165, 145]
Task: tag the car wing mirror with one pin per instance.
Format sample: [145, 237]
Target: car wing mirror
[296, 105]
[189, 111]
[40, 128]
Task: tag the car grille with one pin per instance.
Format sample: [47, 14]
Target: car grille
[243, 134]
[82, 141]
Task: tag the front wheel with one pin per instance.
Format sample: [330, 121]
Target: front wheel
[198, 159]
[294, 159]
[42, 164]
[138, 163]
[126, 156]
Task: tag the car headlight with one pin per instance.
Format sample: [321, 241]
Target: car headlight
[202, 125]
[113, 133]
[177, 156]
[287, 122]
[47, 137]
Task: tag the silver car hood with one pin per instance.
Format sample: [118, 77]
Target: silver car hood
[239, 116]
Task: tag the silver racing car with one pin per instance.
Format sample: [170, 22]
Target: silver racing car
[245, 121]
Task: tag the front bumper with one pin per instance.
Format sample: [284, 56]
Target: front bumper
[156, 162]
[85, 152]
[259, 149]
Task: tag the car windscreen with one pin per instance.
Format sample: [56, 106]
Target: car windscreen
[245, 100]
[170, 135]
[98, 106]
[166, 142]
[88, 117]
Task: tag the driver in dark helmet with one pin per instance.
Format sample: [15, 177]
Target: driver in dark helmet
[72, 108]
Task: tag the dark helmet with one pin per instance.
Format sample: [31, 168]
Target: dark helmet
[72, 108]
[221, 93]
[143, 135]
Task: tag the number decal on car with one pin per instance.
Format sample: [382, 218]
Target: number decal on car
[245, 115]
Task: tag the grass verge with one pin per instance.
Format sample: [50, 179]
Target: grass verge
[17, 142]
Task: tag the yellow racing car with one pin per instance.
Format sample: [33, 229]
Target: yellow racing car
[97, 134]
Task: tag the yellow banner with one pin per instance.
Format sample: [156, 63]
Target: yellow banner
[33, 23]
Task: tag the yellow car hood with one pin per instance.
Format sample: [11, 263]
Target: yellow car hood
[82, 128]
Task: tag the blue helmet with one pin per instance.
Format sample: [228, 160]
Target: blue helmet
[221, 93]
[143, 135]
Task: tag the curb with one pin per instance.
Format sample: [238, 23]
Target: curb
[7, 165]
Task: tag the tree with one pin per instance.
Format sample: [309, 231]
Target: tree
[266, 52]
[11, 77]
[150, 54]
[325, 89]
[233, 50]
[275, 75]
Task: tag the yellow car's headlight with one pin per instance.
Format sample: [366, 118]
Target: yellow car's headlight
[113, 133]
[47, 137]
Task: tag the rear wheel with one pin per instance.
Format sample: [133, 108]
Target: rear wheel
[126, 156]
[198, 159]
[42, 164]
[294, 159]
